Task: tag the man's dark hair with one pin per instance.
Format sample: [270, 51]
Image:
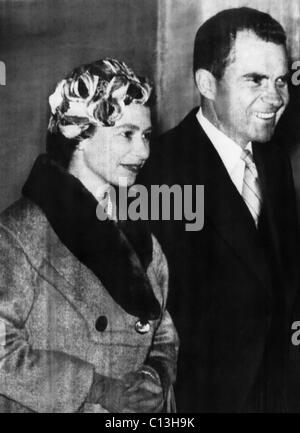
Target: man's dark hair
[215, 38]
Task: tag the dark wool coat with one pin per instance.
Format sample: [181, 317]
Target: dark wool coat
[233, 288]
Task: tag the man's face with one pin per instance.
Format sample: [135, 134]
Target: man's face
[121, 150]
[253, 92]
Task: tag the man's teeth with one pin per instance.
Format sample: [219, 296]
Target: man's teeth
[264, 115]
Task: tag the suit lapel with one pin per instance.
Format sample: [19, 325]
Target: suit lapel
[265, 168]
[224, 207]
[269, 174]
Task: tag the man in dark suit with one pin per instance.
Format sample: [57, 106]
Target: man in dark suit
[233, 283]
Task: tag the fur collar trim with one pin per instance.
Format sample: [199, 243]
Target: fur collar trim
[117, 253]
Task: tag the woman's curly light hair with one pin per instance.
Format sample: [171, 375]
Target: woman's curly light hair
[95, 94]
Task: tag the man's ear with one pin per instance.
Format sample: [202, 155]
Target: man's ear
[206, 83]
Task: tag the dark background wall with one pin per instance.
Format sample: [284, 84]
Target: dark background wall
[41, 40]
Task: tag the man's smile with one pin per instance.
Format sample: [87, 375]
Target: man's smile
[265, 115]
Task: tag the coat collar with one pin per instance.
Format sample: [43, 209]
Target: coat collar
[118, 254]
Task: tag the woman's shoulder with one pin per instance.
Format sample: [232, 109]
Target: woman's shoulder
[21, 211]
[24, 225]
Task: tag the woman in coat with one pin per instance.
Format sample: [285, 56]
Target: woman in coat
[83, 320]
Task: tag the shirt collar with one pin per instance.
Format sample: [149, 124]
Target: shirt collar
[229, 151]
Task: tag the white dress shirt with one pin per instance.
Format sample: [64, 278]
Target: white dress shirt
[229, 151]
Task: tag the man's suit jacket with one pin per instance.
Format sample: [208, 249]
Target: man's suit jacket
[232, 287]
[59, 324]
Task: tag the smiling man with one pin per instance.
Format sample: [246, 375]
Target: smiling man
[247, 102]
[233, 283]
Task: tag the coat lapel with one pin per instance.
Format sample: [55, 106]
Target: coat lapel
[224, 207]
[73, 284]
[101, 246]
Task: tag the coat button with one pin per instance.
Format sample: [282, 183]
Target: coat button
[142, 327]
[101, 323]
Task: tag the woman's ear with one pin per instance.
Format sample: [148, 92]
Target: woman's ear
[206, 83]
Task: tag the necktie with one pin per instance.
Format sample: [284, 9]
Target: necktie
[251, 192]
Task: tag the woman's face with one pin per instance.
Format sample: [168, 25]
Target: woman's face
[115, 154]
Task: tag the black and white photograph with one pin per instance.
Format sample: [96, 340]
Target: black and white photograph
[150, 208]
